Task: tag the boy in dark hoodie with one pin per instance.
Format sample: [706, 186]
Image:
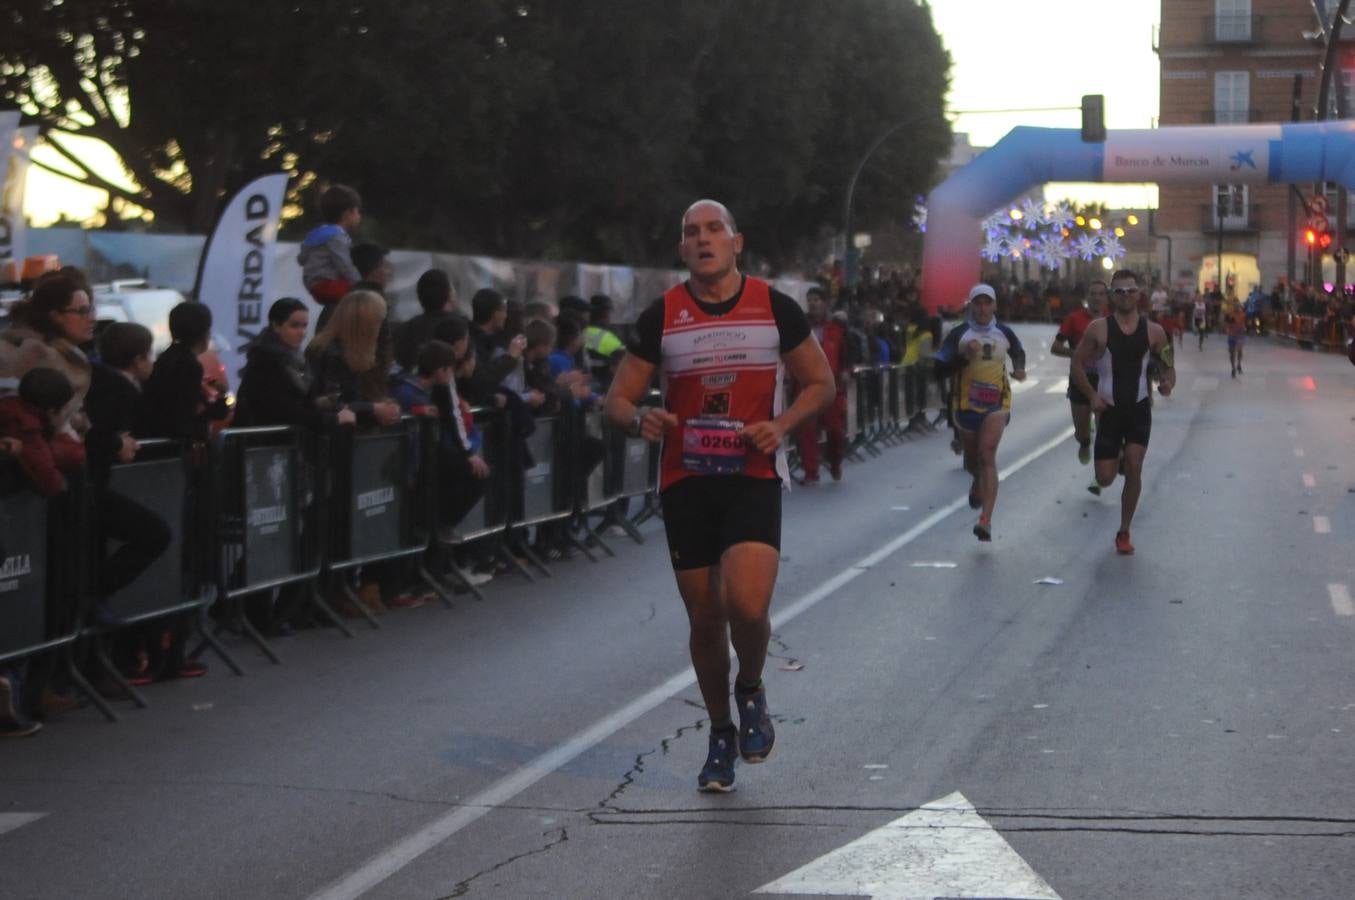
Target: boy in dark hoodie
[327, 268]
[176, 404]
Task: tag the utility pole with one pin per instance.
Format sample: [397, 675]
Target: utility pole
[1332, 33]
[1291, 257]
[848, 263]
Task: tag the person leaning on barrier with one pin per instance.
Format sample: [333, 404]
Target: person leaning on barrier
[425, 392]
[489, 313]
[437, 298]
[275, 391]
[36, 417]
[275, 386]
[33, 423]
[349, 363]
[140, 536]
[177, 406]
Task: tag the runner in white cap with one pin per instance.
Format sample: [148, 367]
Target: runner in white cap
[977, 351]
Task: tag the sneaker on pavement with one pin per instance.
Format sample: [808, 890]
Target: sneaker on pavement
[756, 735]
[717, 775]
[983, 529]
[1094, 488]
[835, 470]
[19, 728]
[1084, 453]
[1122, 545]
[411, 599]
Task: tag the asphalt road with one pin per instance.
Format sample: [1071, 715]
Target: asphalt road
[1179, 723]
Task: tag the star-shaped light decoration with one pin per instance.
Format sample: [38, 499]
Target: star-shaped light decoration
[1088, 246]
[995, 248]
[1111, 246]
[1033, 213]
[1062, 216]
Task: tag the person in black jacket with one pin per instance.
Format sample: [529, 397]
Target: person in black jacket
[275, 387]
[350, 361]
[140, 534]
[177, 406]
[489, 312]
[437, 296]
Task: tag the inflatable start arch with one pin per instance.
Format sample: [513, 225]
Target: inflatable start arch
[1026, 157]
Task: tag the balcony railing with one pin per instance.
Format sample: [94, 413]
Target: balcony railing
[1235, 219]
[1231, 116]
[1232, 29]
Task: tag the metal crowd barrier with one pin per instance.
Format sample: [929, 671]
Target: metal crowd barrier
[630, 468]
[885, 406]
[161, 480]
[265, 514]
[1316, 332]
[381, 505]
[45, 593]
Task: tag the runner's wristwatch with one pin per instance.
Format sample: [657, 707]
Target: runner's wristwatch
[639, 417]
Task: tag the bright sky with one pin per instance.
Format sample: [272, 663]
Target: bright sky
[1007, 56]
[1048, 53]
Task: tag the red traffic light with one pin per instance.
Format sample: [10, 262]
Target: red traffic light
[1324, 241]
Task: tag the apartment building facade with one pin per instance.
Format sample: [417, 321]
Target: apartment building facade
[1238, 62]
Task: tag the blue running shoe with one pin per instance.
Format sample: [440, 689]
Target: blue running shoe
[717, 775]
[756, 735]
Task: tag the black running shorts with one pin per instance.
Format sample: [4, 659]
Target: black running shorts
[1117, 428]
[705, 515]
[1075, 396]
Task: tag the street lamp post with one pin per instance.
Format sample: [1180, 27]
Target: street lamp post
[849, 274]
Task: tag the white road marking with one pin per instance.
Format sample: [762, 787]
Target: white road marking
[1308, 480]
[412, 846]
[1298, 451]
[1340, 600]
[1020, 387]
[1321, 524]
[1057, 387]
[944, 849]
[1205, 383]
[11, 821]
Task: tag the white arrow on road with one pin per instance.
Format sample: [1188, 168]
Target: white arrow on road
[944, 849]
[11, 821]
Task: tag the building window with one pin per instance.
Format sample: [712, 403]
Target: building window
[1232, 20]
[1231, 96]
[1230, 206]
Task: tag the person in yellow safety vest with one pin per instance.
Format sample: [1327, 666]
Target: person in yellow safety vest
[600, 342]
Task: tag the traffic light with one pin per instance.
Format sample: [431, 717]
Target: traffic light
[1093, 118]
[1315, 239]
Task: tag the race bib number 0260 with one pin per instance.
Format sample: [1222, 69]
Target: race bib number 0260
[713, 446]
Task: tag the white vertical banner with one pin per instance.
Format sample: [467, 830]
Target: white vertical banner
[236, 270]
[9, 124]
[13, 225]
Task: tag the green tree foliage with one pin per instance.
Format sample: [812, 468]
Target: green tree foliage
[533, 128]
